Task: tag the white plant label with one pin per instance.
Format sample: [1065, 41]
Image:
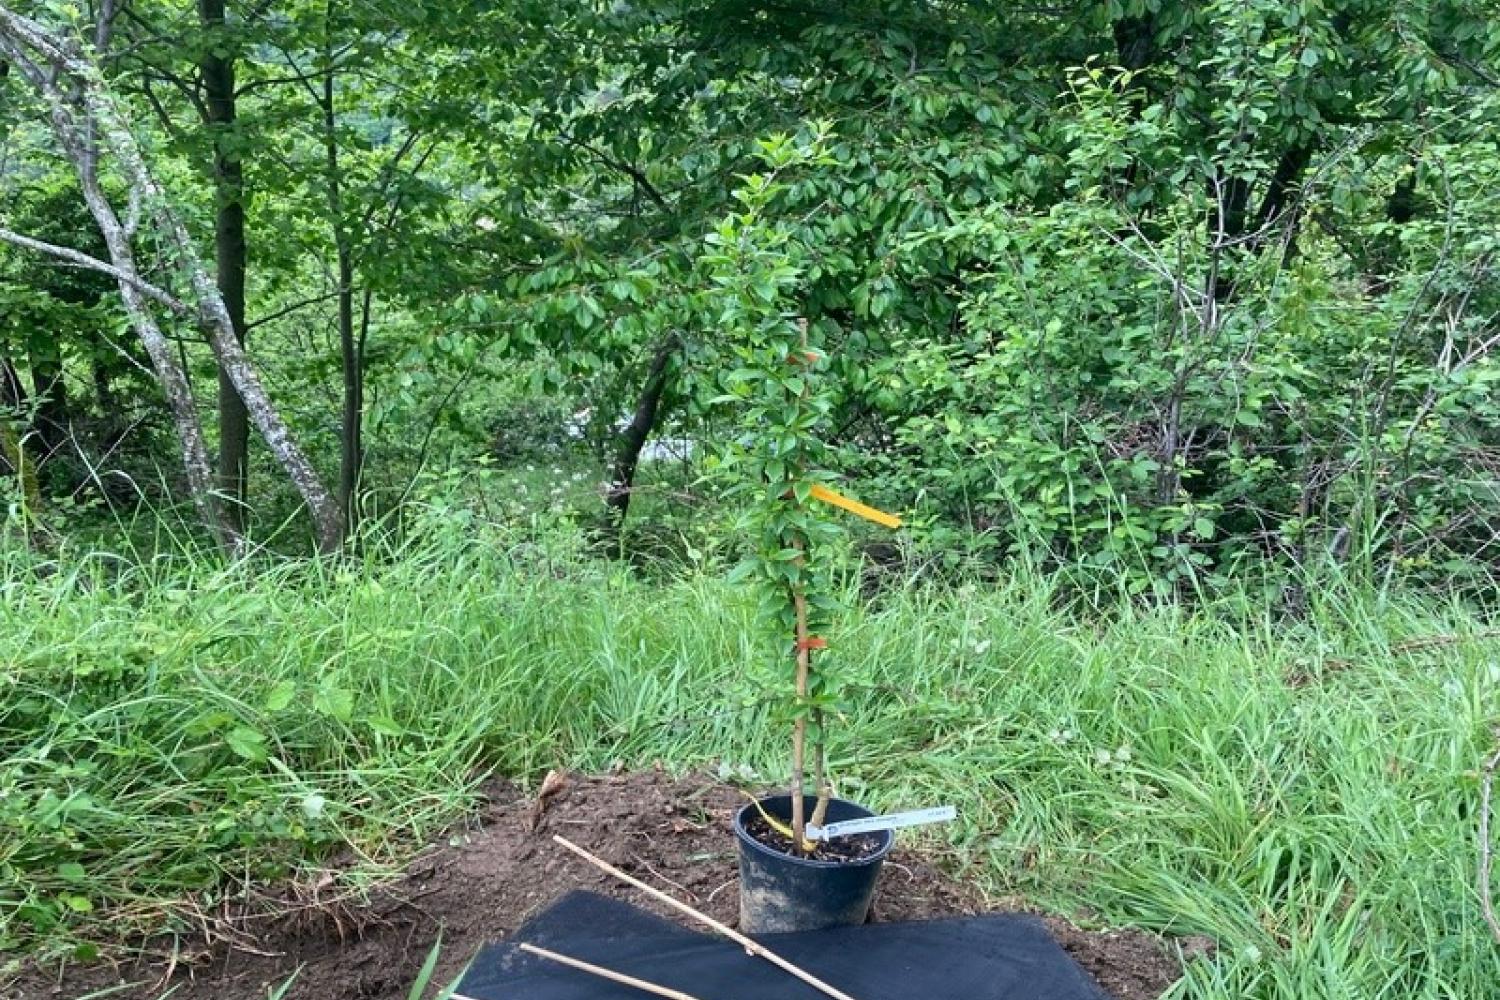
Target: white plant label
[872, 824]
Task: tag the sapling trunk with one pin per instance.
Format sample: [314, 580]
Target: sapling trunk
[799, 728]
[804, 670]
[820, 769]
[13, 450]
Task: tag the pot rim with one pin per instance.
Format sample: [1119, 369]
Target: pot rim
[746, 840]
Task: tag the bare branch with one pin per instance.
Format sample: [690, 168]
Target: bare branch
[288, 310]
[636, 174]
[297, 76]
[389, 172]
[152, 292]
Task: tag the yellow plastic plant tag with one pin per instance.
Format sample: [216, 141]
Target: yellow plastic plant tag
[823, 493]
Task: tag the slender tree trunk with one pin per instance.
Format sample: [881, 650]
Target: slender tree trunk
[13, 442]
[804, 682]
[351, 425]
[230, 255]
[351, 429]
[633, 439]
[70, 87]
[169, 373]
[52, 423]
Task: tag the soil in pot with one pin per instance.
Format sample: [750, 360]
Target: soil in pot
[857, 847]
[782, 890]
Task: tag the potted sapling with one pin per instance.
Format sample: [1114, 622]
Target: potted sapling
[789, 879]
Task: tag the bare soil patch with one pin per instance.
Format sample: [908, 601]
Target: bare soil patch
[487, 878]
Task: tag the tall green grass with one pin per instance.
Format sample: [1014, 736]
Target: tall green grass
[172, 728]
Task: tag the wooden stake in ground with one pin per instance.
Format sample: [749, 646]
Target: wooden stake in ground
[804, 672]
[611, 975]
[753, 947]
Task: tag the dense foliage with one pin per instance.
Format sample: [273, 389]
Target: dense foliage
[1159, 289]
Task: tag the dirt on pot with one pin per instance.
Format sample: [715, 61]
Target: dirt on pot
[486, 878]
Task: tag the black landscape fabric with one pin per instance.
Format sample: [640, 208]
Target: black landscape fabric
[996, 957]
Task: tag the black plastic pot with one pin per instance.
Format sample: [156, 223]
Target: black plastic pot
[780, 892]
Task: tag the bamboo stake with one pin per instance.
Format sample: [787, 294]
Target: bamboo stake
[804, 669]
[750, 945]
[612, 976]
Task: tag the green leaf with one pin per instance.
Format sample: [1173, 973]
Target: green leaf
[247, 743]
[385, 726]
[72, 871]
[280, 696]
[334, 702]
[424, 975]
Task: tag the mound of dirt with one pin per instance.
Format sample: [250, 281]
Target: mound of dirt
[487, 878]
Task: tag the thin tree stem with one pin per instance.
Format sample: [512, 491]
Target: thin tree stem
[820, 769]
[799, 728]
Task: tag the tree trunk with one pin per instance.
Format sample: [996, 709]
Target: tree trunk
[169, 373]
[633, 439]
[351, 429]
[13, 457]
[230, 255]
[52, 423]
[351, 426]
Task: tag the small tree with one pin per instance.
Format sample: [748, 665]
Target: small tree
[778, 459]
